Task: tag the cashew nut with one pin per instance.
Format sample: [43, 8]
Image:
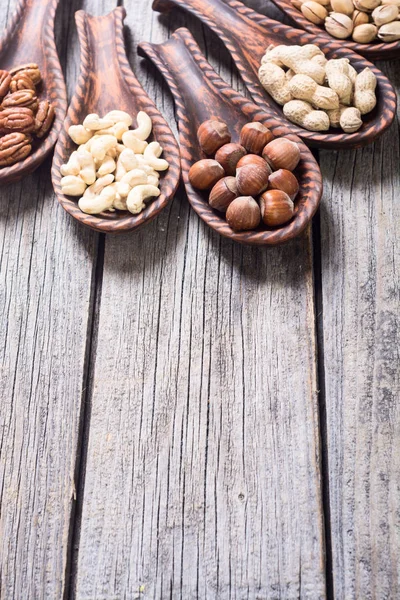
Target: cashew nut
[94, 122]
[145, 126]
[88, 168]
[135, 202]
[123, 189]
[107, 166]
[120, 171]
[119, 115]
[152, 180]
[72, 167]
[134, 177]
[120, 203]
[101, 145]
[79, 134]
[119, 129]
[130, 140]
[151, 154]
[99, 203]
[98, 186]
[128, 159]
[71, 185]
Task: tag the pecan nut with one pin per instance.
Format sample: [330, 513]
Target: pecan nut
[17, 119]
[21, 81]
[14, 147]
[5, 80]
[22, 98]
[44, 118]
[30, 69]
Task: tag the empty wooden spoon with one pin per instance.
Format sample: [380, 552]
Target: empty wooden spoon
[247, 34]
[199, 94]
[373, 51]
[106, 83]
[29, 38]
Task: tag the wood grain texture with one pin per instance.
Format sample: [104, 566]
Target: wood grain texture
[202, 475]
[46, 268]
[360, 217]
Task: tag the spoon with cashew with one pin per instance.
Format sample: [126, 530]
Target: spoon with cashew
[114, 168]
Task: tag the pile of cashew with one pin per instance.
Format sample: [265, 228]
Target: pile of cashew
[114, 167]
[317, 93]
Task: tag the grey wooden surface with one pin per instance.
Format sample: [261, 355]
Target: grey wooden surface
[183, 417]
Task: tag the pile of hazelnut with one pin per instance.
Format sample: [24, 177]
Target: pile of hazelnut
[22, 114]
[251, 181]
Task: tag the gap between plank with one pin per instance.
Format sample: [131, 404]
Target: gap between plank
[84, 422]
[318, 303]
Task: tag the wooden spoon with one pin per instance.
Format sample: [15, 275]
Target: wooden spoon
[373, 51]
[29, 38]
[106, 83]
[199, 94]
[246, 34]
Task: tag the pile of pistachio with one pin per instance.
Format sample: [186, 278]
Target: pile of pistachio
[362, 20]
[317, 93]
[114, 167]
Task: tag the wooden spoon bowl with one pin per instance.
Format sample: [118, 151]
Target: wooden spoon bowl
[29, 38]
[373, 51]
[106, 83]
[200, 94]
[247, 34]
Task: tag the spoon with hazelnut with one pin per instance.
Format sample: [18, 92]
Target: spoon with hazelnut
[247, 35]
[229, 150]
[32, 89]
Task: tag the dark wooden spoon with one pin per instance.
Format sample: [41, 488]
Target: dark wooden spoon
[106, 83]
[246, 34]
[199, 94]
[29, 38]
[373, 51]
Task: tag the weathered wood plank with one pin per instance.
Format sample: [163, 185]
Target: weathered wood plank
[46, 272]
[360, 219]
[202, 476]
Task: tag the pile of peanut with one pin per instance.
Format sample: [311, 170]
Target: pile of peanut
[363, 20]
[317, 93]
[114, 166]
[22, 114]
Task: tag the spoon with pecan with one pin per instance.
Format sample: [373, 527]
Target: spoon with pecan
[32, 89]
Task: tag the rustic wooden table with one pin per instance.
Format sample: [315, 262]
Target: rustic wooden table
[185, 418]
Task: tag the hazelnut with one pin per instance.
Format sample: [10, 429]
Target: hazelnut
[205, 173]
[252, 179]
[282, 154]
[276, 208]
[253, 159]
[222, 194]
[243, 214]
[228, 156]
[285, 181]
[212, 135]
[254, 136]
